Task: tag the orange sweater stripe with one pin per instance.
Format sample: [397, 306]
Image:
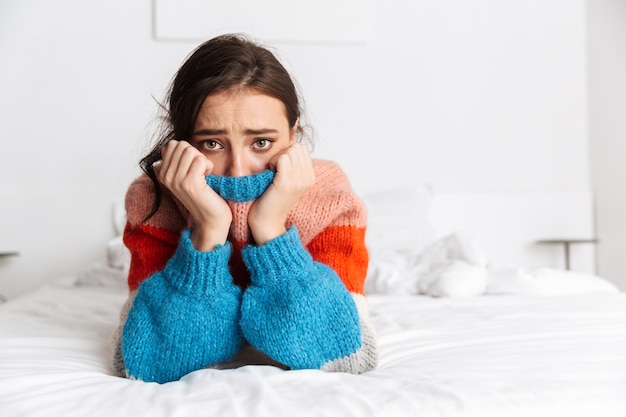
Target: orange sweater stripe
[342, 249]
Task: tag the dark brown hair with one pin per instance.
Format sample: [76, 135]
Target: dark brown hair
[223, 63]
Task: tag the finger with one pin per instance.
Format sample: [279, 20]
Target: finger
[171, 156]
[274, 161]
[166, 155]
[301, 163]
[289, 154]
[186, 155]
[200, 167]
[301, 157]
[180, 157]
[283, 165]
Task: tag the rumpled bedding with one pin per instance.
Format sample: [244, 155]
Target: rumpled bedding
[456, 266]
[491, 355]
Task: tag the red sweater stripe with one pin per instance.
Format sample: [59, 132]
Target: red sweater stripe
[150, 248]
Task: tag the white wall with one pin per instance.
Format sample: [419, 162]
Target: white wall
[477, 95]
[469, 96]
[607, 98]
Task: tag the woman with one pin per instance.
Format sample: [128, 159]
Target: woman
[244, 250]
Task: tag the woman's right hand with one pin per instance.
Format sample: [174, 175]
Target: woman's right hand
[183, 173]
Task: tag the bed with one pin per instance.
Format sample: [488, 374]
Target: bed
[456, 336]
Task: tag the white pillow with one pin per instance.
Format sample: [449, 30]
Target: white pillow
[113, 271]
[544, 281]
[399, 219]
[454, 278]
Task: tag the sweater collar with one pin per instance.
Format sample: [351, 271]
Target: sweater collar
[241, 189]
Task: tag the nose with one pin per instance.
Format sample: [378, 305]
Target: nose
[238, 166]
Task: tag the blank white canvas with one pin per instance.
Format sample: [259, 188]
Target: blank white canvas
[342, 21]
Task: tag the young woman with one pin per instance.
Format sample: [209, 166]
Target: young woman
[244, 250]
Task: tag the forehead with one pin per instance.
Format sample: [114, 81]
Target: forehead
[242, 107]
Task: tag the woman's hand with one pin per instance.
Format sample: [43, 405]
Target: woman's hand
[183, 173]
[294, 175]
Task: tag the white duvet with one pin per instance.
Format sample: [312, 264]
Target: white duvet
[490, 355]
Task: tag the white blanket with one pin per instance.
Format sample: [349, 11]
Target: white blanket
[492, 355]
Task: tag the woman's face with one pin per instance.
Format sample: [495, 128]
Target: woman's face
[240, 132]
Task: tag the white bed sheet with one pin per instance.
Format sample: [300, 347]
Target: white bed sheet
[490, 355]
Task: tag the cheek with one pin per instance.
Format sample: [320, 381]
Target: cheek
[220, 165]
[260, 162]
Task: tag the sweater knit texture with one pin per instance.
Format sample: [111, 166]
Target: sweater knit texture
[298, 299]
[241, 189]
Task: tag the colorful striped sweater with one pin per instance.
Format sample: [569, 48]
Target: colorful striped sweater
[298, 299]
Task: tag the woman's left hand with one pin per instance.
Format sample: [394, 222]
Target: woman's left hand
[294, 176]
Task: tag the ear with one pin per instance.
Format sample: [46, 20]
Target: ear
[293, 134]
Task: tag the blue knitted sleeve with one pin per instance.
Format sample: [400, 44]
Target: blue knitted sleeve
[297, 310]
[183, 318]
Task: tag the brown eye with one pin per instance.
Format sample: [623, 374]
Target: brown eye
[263, 144]
[211, 145]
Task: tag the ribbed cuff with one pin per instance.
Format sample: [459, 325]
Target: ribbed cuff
[198, 273]
[282, 257]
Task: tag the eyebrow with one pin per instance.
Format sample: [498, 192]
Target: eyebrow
[214, 132]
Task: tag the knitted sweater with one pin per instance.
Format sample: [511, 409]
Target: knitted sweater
[298, 299]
